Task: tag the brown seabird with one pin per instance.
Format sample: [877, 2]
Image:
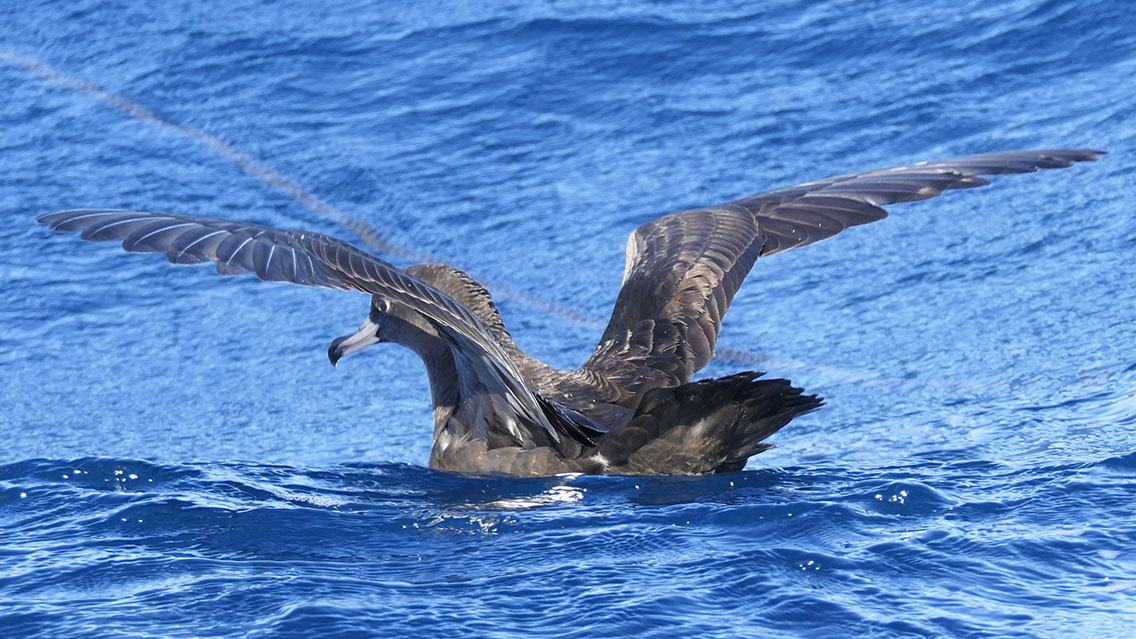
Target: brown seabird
[632, 407]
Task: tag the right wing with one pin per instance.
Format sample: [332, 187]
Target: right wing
[683, 269]
[313, 259]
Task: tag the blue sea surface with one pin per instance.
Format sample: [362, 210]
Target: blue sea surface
[178, 458]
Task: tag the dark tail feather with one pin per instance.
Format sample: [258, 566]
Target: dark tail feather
[709, 426]
[769, 405]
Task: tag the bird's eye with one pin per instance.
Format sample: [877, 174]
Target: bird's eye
[382, 304]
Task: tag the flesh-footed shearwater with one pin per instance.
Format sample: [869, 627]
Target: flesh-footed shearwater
[632, 407]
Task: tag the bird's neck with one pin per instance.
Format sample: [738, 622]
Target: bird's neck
[417, 334]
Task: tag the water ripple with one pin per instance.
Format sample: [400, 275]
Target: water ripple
[182, 462]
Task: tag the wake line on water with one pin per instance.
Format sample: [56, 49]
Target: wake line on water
[251, 165]
[272, 178]
[377, 241]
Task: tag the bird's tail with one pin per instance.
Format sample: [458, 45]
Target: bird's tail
[708, 426]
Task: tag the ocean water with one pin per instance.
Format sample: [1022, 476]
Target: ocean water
[178, 459]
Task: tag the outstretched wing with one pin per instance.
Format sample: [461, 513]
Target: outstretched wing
[313, 259]
[683, 269]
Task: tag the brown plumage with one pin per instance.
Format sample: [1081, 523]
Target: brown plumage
[632, 407]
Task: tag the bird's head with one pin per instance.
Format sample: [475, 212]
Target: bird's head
[367, 334]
